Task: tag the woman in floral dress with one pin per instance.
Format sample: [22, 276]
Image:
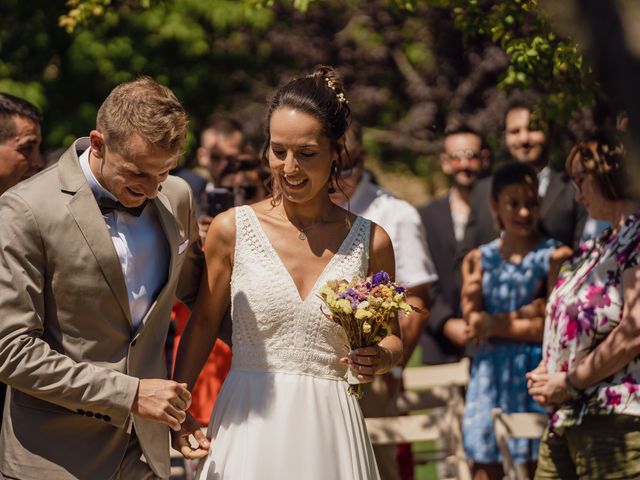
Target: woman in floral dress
[590, 372]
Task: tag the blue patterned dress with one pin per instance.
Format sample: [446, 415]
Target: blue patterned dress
[499, 366]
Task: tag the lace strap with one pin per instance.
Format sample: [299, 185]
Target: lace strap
[248, 244]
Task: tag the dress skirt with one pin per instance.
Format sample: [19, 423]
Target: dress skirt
[287, 426]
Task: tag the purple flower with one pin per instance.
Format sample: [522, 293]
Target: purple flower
[351, 295]
[399, 289]
[380, 278]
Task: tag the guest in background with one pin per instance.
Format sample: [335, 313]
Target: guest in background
[503, 282]
[414, 269]
[20, 140]
[465, 159]
[561, 217]
[221, 139]
[20, 159]
[590, 372]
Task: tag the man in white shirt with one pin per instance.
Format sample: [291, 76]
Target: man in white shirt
[414, 270]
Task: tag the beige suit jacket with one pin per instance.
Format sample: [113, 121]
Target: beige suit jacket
[67, 347]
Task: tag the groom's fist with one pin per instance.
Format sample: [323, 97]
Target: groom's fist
[163, 401]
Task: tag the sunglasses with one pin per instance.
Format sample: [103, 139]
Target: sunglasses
[467, 154]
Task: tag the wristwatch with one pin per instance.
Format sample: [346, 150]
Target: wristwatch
[572, 390]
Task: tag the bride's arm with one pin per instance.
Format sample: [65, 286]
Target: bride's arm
[380, 358]
[201, 331]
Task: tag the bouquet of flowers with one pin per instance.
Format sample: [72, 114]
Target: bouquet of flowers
[364, 307]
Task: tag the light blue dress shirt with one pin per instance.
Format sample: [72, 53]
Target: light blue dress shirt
[141, 245]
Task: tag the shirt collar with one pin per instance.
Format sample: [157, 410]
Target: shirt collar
[544, 176]
[98, 190]
[364, 193]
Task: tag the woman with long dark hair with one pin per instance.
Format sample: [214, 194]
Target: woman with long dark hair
[284, 411]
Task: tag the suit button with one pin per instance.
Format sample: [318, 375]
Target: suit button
[89, 414]
[106, 418]
[98, 416]
[80, 411]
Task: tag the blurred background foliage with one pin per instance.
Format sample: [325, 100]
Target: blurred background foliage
[410, 67]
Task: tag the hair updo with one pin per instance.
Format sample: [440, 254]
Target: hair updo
[603, 155]
[320, 95]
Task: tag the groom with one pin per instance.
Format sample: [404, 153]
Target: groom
[92, 253]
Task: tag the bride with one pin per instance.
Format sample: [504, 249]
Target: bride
[284, 411]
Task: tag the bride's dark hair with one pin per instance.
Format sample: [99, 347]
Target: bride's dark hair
[321, 95]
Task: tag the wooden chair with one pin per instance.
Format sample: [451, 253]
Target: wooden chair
[516, 425]
[438, 389]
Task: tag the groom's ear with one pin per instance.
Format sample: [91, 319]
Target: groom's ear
[97, 143]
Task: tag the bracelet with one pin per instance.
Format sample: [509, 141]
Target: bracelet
[572, 390]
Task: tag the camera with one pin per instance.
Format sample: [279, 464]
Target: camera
[219, 200]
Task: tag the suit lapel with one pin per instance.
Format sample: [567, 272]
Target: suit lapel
[553, 190]
[170, 227]
[447, 220]
[83, 207]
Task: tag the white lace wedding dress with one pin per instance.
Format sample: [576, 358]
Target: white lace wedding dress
[284, 412]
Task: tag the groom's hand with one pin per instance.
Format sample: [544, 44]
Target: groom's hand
[164, 401]
[180, 440]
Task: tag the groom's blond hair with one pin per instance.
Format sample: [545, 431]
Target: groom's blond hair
[146, 108]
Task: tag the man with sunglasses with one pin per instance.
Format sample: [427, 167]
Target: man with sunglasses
[464, 160]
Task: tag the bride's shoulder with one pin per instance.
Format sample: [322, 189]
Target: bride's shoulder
[222, 232]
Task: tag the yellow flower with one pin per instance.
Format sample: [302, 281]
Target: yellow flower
[362, 313]
[366, 327]
[344, 305]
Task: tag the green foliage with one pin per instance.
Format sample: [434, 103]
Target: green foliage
[539, 58]
[409, 66]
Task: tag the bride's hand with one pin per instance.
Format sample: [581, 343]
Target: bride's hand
[366, 362]
[180, 439]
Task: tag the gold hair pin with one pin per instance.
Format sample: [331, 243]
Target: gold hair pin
[340, 96]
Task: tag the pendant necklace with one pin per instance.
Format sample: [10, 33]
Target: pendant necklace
[302, 232]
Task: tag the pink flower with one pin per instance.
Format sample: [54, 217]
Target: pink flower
[571, 329]
[613, 398]
[630, 383]
[598, 297]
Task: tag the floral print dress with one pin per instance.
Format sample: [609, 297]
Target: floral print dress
[584, 307]
[499, 366]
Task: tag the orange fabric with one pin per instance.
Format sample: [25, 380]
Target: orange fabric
[215, 370]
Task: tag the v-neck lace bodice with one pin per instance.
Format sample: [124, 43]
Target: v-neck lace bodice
[273, 328]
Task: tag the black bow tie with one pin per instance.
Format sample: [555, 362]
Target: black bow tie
[108, 205]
